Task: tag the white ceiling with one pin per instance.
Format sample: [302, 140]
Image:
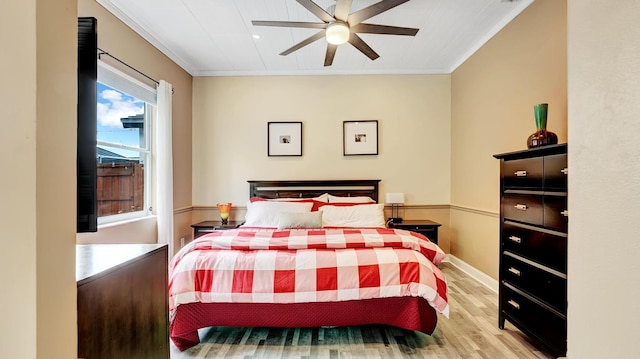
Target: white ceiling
[215, 37]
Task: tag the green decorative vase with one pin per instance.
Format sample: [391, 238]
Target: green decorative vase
[541, 137]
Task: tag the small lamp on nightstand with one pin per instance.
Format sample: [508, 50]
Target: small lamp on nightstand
[395, 200]
[224, 209]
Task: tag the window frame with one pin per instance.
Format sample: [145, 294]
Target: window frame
[112, 78]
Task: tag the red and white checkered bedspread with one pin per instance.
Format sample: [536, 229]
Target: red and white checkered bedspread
[250, 265]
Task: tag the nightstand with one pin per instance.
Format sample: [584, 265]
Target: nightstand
[423, 226]
[205, 227]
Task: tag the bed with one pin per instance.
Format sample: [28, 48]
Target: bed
[347, 270]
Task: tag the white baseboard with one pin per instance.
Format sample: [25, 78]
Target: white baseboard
[474, 273]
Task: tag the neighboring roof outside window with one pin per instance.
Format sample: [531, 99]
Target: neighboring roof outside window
[106, 156]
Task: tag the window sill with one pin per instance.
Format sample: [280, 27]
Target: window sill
[126, 221]
[132, 230]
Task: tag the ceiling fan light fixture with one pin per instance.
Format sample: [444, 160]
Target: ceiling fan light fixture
[337, 33]
[336, 26]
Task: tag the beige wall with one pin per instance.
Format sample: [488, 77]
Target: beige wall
[230, 116]
[604, 165]
[493, 94]
[37, 154]
[18, 212]
[122, 42]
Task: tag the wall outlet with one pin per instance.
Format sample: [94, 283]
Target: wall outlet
[181, 242]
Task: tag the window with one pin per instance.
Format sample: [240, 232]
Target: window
[125, 115]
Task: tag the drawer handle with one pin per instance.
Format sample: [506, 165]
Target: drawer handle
[565, 170]
[206, 230]
[514, 304]
[521, 207]
[565, 213]
[520, 173]
[514, 271]
[515, 239]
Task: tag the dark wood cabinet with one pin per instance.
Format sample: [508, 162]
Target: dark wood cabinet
[123, 307]
[533, 244]
[202, 228]
[424, 226]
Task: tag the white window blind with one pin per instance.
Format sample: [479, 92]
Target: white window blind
[116, 79]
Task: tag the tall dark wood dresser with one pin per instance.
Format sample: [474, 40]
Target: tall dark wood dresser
[533, 244]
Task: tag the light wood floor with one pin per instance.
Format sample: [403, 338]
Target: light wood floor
[470, 332]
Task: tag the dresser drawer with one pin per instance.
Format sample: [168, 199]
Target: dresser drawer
[430, 233]
[555, 213]
[522, 208]
[540, 247]
[425, 227]
[535, 319]
[555, 172]
[415, 227]
[546, 286]
[523, 173]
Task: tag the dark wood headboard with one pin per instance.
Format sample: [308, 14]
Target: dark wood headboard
[313, 188]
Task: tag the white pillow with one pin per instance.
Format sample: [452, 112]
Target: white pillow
[267, 213]
[355, 199]
[300, 220]
[366, 215]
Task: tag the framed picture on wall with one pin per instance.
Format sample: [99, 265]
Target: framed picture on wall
[284, 139]
[360, 138]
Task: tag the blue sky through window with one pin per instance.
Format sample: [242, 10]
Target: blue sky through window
[112, 106]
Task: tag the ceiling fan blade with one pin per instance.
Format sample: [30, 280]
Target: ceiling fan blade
[331, 53]
[373, 10]
[384, 29]
[359, 44]
[314, 25]
[319, 35]
[316, 10]
[342, 10]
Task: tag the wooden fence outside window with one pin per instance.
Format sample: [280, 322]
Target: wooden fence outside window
[120, 188]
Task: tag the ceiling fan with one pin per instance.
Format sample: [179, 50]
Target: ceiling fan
[343, 26]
